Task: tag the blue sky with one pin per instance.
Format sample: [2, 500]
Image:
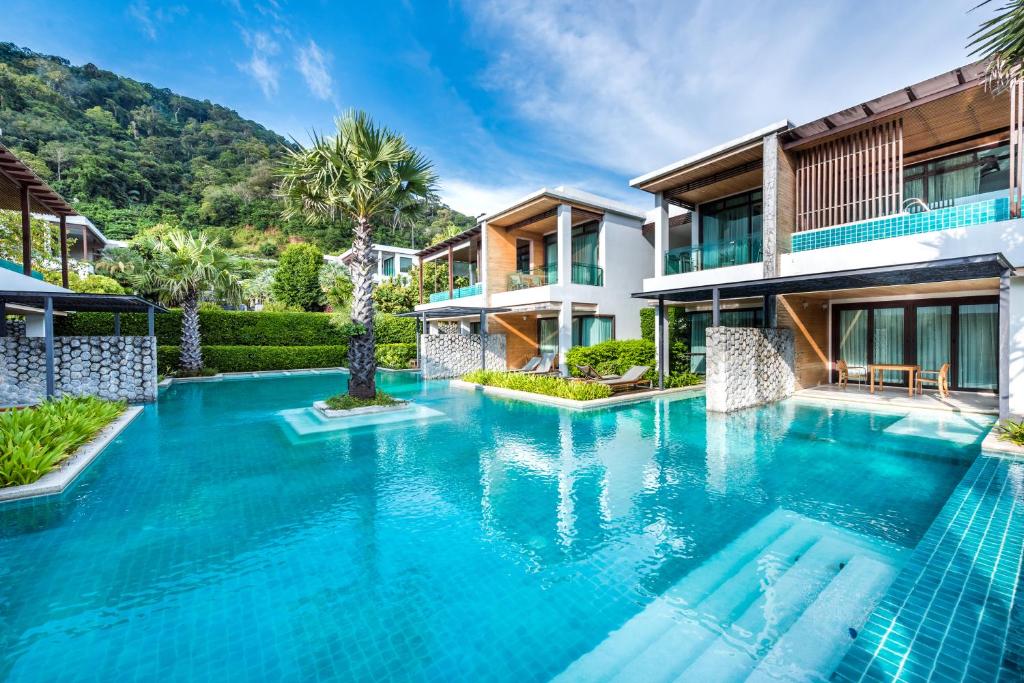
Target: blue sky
[509, 96]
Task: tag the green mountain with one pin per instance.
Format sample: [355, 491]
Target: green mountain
[130, 156]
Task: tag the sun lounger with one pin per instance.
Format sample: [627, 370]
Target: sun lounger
[544, 368]
[588, 373]
[530, 365]
[631, 379]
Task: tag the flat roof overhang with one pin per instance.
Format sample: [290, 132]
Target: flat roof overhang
[966, 268]
[453, 312]
[72, 301]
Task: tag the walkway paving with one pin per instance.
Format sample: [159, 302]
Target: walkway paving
[896, 397]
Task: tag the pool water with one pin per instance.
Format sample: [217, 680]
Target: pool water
[499, 541]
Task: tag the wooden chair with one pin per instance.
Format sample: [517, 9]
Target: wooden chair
[846, 372]
[939, 378]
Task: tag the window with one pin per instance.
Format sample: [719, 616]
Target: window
[388, 266]
[551, 256]
[548, 335]
[730, 230]
[588, 330]
[584, 244]
[474, 328]
[405, 264]
[523, 256]
[941, 182]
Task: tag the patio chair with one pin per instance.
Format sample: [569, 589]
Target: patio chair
[939, 378]
[515, 281]
[631, 379]
[529, 366]
[847, 372]
[588, 373]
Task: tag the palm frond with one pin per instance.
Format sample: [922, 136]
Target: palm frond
[1000, 40]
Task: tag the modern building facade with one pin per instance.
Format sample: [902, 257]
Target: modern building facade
[560, 264]
[392, 262]
[888, 232]
[86, 242]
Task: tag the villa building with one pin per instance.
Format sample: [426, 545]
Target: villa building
[391, 261]
[552, 270]
[886, 233]
[86, 242]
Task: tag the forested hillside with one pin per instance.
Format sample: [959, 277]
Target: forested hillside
[130, 156]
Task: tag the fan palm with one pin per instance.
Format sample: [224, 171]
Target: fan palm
[183, 267]
[365, 173]
[1000, 40]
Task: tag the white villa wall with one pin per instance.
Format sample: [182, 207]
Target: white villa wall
[703, 278]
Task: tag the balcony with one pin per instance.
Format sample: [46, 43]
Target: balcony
[458, 293]
[713, 255]
[966, 214]
[586, 274]
[582, 274]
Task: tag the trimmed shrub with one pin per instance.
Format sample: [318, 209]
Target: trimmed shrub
[252, 358]
[390, 329]
[395, 356]
[297, 277]
[539, 384]
[613, 356]
[647, 316]
[682, 379]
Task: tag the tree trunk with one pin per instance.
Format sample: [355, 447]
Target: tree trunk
[191, 352]
[362, 361]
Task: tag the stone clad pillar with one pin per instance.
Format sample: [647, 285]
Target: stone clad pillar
[749, 366]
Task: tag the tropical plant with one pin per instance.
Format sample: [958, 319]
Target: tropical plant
[185, 266]
[1000, 40]
[540, 384]
[90, 284]
[1012, 431]
[363, 173]
[297, 278]
[35, 440]
[395, 296]
[45, 238]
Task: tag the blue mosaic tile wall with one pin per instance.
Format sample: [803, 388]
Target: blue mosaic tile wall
[954, 612]
[977, 213]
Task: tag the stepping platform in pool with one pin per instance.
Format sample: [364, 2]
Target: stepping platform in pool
[309, 422]
[778, 603]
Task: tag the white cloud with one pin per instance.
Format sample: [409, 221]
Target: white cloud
[260, 65]
[473, 198]
[313, 65]
[627, 87]
[149, 19]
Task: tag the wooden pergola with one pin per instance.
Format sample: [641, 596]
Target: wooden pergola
[21, 190]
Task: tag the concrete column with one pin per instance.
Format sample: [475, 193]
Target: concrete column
[48, 341]
[483, 340]
[483, 262]
[64, 251]
[564, 244]
[117, 323]
[660, 233]
[770, 205]
[661, 343]
[380, 265]
[716, 305]
[1014, 360]
[26, 232]
[564, 335]
[151, 322]
[1004, 345]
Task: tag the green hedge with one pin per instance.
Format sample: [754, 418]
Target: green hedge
[614, 356]
[539, 384]
[395, 356]
[240, 328]
[252, 358]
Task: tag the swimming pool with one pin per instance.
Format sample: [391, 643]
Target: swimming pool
[496, 541]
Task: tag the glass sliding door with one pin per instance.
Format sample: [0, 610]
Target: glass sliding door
[853, 338]
[888, 341]
[699, 323]
[548, 335]
[551, 258]
[730, 231]
[588, 330]
[978, 346]
[934, 336]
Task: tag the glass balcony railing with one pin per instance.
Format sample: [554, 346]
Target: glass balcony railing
[586, 274]
[713, 255]
[458, 293]
[538, 277]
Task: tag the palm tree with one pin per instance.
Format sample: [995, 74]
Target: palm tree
[1000, 40]
[364, 172]
[184, 267]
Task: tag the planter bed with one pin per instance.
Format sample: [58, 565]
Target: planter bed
[614, 400]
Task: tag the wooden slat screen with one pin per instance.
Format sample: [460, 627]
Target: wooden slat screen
[852, 178]
[1016, 145]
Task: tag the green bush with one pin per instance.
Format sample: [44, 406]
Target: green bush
[613, 357]
[682, 379]
[540, 384]
[297, 278]
[252, 358]
[348, 401]
[390, 329]
[34, 441]
[647, 316]
[395, 356]
[1012, 431]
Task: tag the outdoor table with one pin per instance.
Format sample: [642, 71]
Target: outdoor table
[880, 368]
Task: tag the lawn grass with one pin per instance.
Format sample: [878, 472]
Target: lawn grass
[36, 440]
[348, 402]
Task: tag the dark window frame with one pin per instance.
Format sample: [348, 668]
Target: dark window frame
[925, 175]
[749, 204]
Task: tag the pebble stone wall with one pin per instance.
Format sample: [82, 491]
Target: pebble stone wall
[116, 368]
[453, 355]
[748, 366]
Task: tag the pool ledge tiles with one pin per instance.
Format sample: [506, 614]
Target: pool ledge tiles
[954, 613]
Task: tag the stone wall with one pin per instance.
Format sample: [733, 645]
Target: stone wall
[453, 355]
[109, 367]
[748, 366]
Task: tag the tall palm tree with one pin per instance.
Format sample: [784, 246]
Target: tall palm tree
[184, 267]
[364, 172]
[1000, 40]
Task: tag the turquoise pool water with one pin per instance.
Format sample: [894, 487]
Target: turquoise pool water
[497, 541]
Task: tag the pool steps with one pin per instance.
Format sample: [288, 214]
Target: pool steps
[776, 604]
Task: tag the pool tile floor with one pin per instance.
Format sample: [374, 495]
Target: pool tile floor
[954, 612]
